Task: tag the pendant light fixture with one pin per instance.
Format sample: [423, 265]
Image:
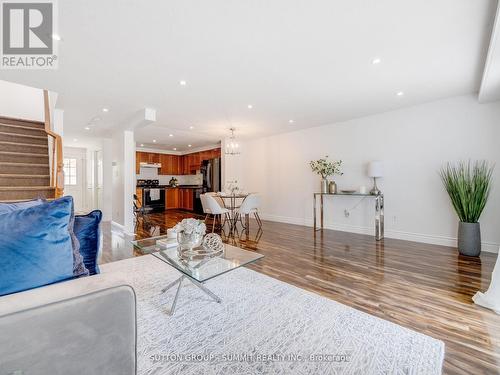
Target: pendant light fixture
[232, 146]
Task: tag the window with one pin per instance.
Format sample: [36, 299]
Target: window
[69, 171]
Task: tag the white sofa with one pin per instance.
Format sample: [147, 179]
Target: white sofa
[82, 326]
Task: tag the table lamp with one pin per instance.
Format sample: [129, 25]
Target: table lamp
[375, 170]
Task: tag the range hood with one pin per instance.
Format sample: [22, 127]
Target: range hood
[149, 165]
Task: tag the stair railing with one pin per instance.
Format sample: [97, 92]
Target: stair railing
[56, 149]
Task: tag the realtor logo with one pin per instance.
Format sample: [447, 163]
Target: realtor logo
[27, 35]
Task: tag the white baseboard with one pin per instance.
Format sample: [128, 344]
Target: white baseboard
[120, 228]
[489, 247]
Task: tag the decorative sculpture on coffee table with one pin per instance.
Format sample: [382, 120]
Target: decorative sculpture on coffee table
[190, 234]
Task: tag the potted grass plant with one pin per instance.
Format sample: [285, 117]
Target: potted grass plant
[468, 185]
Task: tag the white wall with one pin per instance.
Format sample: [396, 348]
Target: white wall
[413, 143]
[19, 101]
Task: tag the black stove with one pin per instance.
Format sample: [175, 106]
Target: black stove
[148, 183]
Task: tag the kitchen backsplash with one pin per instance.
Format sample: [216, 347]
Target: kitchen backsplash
[152, 174]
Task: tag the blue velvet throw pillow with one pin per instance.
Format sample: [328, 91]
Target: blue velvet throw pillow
[35, 246]
[87, 231]
[78, 265]
[14, 206]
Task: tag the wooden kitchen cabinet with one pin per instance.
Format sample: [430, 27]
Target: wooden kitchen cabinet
[153, 157]
[175, 164]
[186, 199]
[172, 198]
[170, 165]
[195, 161]
[145, 157]
[140, 157]
[138, 192]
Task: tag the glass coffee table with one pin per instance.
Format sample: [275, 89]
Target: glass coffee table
[196, 271]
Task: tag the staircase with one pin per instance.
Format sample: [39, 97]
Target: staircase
[24, 161]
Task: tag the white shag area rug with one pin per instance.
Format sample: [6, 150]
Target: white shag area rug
[263, 326]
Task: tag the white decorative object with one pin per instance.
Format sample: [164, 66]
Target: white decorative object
[167, 243]
[171, 233]
[282, 320]
[362, 190]
[375, 170]
[326, 168]
[213, 242]
[491, 298]
[190, 233]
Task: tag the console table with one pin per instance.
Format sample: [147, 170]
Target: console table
[379, 210]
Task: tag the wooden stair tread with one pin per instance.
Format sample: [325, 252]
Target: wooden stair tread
[6, 188]
[23, 144]
[21, 120]
[24, 200]
[23, 164]
[23, 154]
[22, 127]
[13, 175]
[24, 135]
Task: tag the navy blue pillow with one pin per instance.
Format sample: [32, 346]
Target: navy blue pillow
[87, 231]
[35, 246]
[78, 265]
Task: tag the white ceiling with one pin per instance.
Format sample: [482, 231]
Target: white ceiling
[310, 61]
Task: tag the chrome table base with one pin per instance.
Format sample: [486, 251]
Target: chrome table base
[198, 284]
[379, 211]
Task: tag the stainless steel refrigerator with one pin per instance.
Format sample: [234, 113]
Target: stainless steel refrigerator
[211, 170]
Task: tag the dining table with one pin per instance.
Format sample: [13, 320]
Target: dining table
[231, 201]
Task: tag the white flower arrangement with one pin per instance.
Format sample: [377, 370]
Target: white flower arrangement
[233, 187]
[191, 226]
[325, 167]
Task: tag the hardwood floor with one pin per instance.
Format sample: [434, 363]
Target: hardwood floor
[423, 287]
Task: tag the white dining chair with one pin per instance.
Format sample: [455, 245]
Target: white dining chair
[214, 209]
[217, 198]
[250, 205]
[204, 205]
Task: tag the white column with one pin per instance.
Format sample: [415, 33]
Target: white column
[107, 179]
[129, 179]
[123, 175]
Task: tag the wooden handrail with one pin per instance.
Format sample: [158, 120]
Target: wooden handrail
[57, 173]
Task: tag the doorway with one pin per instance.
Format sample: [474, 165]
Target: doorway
[74, 176]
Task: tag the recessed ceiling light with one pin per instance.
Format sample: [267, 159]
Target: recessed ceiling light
[170, 135]
[189, 145]
[376, 61]
[87, 128]
[56, 37]
[291, 121]
[75, 140]
[182, 83]
[400, 93]
[154, 140]
[191, 127]
[142, 144]
[105, 110]
[175, 149]
[249, 106]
